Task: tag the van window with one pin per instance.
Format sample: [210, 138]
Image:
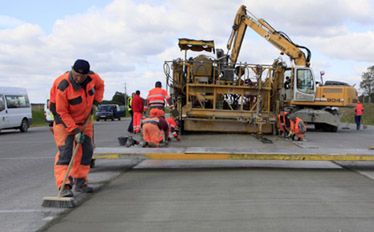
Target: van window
[2, 104]
[17, 101]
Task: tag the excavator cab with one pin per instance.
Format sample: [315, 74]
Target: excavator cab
[304, 84]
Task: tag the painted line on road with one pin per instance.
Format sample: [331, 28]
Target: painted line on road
[25, 158]
[23, 211]
[240, 156]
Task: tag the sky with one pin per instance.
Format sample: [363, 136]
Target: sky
[127, 41]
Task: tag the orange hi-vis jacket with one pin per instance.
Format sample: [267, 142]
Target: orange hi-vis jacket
[71, 103]
[282, 119]
[359, 110]
[298, 126]
[157, 97]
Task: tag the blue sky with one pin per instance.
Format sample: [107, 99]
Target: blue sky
[45, 13]
[127, 41]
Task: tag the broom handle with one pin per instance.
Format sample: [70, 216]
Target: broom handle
[75, 151]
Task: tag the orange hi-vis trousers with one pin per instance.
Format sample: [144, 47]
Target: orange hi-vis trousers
[65, 143]
[136, 121]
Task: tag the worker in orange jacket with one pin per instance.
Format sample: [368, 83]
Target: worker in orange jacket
[359, 111]
[157, 97]
[283, 123]
[297, 128]
[72, 97]
[137, 108]
[155, 129]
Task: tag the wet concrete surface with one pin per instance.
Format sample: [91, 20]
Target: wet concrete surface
[191, 195]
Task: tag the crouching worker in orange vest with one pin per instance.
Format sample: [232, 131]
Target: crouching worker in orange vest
[154, 128]
[283, 123]
[72, 97]
[297, 128]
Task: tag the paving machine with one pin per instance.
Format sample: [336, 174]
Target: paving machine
[219, 94]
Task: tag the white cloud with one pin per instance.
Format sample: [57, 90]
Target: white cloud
[128, 41]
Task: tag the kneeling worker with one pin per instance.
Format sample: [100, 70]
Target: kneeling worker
[297, 128]
[153, 128]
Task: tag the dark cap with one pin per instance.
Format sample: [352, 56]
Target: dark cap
[158, 84]
[81, 66]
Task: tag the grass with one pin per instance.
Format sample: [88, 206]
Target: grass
[367, 118]
[38, 118]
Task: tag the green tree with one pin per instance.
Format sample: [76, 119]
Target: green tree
[367, 83]
[119, 98]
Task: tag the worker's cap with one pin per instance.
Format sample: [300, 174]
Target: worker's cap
[81, 66]
[158, 84]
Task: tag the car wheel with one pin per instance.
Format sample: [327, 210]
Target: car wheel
[24, 126]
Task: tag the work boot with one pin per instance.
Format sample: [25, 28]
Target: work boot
[81, 186]
[66, 192]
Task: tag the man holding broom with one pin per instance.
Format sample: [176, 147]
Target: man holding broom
[72, 97]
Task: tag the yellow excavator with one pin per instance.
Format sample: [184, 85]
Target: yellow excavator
[220, 94]
[315, 102]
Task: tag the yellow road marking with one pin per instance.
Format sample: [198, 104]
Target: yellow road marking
[244, 156]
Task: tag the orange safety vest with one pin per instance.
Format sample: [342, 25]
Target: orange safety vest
[298, 126]
[359, 110]
[157, 97]
[71, 103]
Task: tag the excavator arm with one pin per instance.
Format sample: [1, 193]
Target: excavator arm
[279, 39]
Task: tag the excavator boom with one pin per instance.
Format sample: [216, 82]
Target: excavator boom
[279, 39]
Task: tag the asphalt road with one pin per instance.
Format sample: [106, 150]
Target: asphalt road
[190, 195]
[26, 174]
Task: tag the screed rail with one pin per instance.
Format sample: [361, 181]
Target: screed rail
[205, 153]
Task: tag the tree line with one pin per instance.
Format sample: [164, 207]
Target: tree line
[367, 85]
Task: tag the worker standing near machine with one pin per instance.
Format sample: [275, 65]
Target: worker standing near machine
[359, 111]
[137, 108]
[72, 97]
[130, 129]
[297, 128]
[157, 97]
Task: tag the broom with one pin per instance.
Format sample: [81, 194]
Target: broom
[59, 201]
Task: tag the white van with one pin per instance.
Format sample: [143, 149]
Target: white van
[15, 109]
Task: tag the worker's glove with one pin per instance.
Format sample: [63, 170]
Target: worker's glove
[79, 137]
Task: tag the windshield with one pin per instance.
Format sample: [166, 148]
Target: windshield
[305, 81]
[105, 108]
